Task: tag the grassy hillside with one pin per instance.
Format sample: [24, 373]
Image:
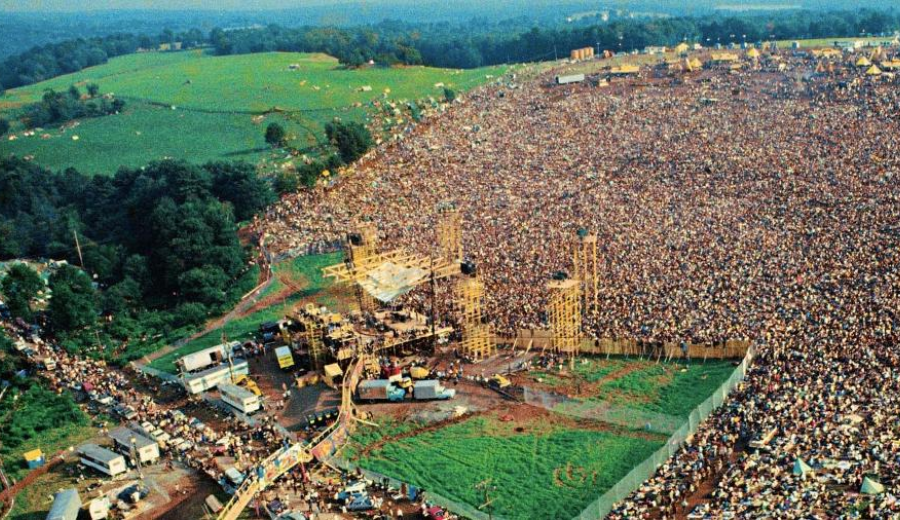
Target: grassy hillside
[199, 107]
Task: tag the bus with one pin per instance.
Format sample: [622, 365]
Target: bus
[243, 400]
[103, 460]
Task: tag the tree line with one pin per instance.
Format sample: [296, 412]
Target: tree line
[473, 44]
[158, 246]
[479, 43]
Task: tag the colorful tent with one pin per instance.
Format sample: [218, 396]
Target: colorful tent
[863, 62]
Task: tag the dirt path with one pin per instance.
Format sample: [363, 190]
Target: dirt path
[709, 484]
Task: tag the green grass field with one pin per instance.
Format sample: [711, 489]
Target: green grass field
[671, 389]
[305, 270]
[198, 107]
[542, 469]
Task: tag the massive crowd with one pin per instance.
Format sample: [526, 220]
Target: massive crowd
[755, 205]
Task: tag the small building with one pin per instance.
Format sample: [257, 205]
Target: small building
[66, 505]
[34, 458]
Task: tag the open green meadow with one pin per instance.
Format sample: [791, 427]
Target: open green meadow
[304, 272]
[542, 469]
[193, 106]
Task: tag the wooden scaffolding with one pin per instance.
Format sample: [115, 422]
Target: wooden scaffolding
[312, 333]
[449, 235]
[564, 316]
[584, 261]
[477, 337]
[361, 247]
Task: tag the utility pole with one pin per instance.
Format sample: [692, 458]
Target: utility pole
[78, 247]
[487, 487]
[433, 307]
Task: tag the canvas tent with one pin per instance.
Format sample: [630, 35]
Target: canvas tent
[873, 71]
[801, 468]
[863, 62]
[871, 487]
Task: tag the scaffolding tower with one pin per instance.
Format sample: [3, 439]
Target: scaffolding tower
[564, 316]
[362, 246]
[449, 235]
[584, 261]
[313, 335]
[477, 336]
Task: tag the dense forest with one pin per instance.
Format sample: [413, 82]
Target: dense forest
[471, 44]
[158, 245]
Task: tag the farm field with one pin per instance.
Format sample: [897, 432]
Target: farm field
[547, 467]
[297, 281]
[199, 107]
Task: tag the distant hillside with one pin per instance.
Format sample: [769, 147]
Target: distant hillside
[197, 107]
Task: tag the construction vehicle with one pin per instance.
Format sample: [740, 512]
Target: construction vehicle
[244, 381]
[285, 357]
[432, 389]
[379, 390]
[499, 382]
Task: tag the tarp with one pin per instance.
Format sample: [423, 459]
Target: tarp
[871, 487]
[801, 468]
[389, 280]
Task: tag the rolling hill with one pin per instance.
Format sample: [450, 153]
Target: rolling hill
[198, 107]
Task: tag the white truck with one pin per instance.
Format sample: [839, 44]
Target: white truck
[239, 398]
[207, 357]
[569, 79]
[431, 389]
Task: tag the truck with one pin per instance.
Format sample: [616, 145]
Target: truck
[66, 505]
[379, 390]
[239, 398]
[431, 389]
[285, 357]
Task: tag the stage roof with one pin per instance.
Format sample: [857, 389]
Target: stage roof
[389, 280]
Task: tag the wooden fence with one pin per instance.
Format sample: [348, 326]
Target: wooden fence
[730, 349]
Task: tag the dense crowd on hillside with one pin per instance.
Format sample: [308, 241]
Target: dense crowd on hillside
[734, 205]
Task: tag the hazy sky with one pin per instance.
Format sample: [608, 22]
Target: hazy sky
[98, 5]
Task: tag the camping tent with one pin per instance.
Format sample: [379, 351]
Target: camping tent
[873, 71]
[801, 468]
[871, 487]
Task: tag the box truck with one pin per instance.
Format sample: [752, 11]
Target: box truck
[379, 390]
[431, 389]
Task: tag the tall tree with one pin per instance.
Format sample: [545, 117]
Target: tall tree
[73, 304]
[20, 286]
[275, 135]
[351, 139]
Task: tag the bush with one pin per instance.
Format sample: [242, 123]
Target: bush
[352, 139]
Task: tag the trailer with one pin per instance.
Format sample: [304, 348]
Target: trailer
[146, 450]
[212, 377]
[569, 79]
[431, 389]
[379, 390]
[103, 460]
[206, 358]
[285, 357]
[239, 398]
[66, 505]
